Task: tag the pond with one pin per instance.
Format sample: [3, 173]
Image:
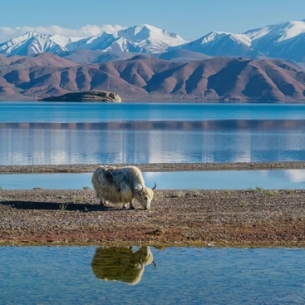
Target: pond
[243, 179]
[146, 275]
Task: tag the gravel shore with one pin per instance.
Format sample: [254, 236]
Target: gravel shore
[251, 218]
[153, 167]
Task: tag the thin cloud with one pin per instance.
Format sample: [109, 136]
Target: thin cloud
[7, 33]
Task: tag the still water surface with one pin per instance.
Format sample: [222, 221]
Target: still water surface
[77, 275]
[63, 133]
[104, 112]
[45, 146]
[267, 179]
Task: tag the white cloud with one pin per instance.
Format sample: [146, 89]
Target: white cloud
[7, 33]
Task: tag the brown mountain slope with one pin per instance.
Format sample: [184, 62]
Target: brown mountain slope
[144, 78]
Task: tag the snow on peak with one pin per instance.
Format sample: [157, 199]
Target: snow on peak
[151, 33]
[62, 40]
[33, 43]
[211, 36]
[139, 38]
[215, 36]
[278, 32]
[21, 38]
[292, 29]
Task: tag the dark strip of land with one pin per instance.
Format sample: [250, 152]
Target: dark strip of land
[153, 167]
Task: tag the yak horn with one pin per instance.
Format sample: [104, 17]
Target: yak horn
[141, 190]
[154, 186]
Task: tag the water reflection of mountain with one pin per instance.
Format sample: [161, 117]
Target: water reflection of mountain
[166, 125]
[121, 263]
[152, 142]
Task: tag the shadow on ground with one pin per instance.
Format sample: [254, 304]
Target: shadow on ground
[36, 205]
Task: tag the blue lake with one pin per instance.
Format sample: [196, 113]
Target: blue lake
[268, 179]
[63, 133]
[74, 133]
[104, 112]
[77, 275]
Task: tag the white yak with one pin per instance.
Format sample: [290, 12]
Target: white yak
[121, 185]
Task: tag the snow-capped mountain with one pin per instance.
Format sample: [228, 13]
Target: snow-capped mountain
[32, 43]
[141, 38]
[222, 44]
[106, 42]
[284, 40]
[152, 39]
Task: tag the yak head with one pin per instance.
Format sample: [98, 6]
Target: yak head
[144, 195]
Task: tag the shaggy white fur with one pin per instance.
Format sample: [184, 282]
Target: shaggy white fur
[121, 185]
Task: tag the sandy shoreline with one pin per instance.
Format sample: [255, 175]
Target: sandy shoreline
[220, 218]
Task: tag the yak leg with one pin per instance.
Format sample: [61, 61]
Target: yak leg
[131, 206]
[103, 203]
[126, 195]
[128, 205]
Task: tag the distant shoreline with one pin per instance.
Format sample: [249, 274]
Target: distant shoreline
[161, 100]
[150, 99]
[153, 167]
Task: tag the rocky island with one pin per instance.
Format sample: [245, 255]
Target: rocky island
[86, 96]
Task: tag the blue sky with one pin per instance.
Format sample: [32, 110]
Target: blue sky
[190, 19]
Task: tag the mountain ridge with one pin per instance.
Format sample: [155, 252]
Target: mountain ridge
[284, 40]
[216, 79]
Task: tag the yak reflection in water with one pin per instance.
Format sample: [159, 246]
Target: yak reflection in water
[121, 263]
